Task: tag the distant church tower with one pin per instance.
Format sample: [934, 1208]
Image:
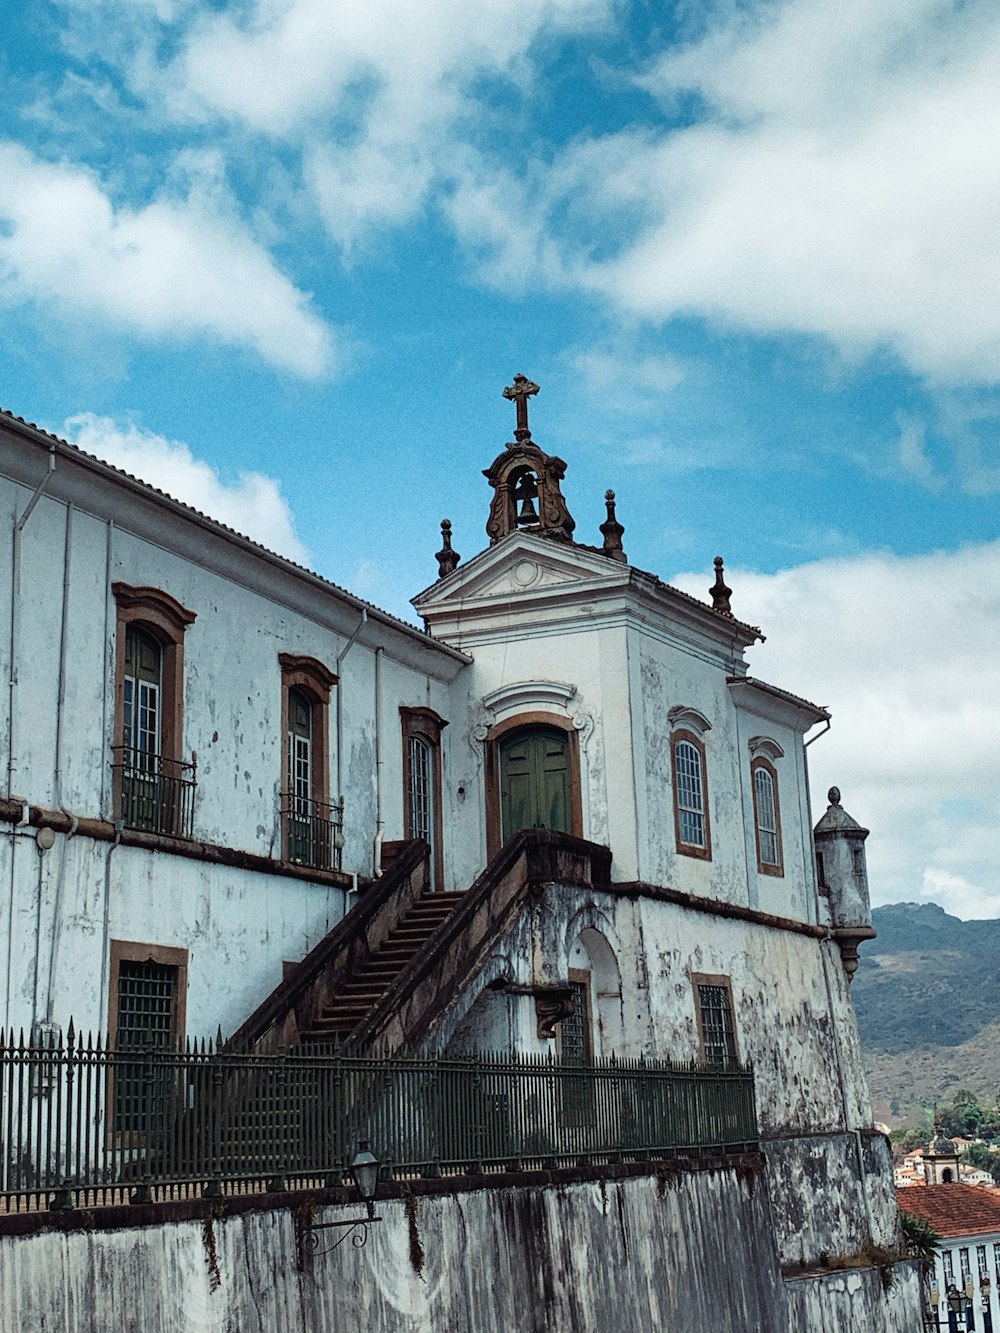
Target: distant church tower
[940, 1160]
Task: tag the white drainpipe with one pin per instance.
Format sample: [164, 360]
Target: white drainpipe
[379, 821]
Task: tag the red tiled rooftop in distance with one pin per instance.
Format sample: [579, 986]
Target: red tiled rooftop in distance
[954, 1210]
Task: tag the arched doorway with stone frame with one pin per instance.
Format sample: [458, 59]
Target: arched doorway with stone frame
[532, 777]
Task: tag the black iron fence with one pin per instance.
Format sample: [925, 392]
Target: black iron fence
[207, 1120]
[153, 792]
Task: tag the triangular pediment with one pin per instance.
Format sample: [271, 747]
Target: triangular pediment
[520, 565]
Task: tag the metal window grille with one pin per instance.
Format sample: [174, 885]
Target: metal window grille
[146, 994]
[421, 790]
[717, 1027]
[767, 819]
[574, 1030]
[575, 1051]
[690, 798]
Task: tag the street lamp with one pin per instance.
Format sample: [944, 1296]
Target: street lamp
[958, 1302]
[365, 1168]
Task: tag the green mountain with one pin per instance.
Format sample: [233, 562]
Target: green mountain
[927, 994]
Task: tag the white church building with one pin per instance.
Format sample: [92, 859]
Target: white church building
[562, 819]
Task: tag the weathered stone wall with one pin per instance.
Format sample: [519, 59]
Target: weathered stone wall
[829, 1196]
[637, 1255]
[839, 1302]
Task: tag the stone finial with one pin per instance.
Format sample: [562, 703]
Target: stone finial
[519, 392]
[720, 594]
[447, 558]
[612, 532]
[833, 796]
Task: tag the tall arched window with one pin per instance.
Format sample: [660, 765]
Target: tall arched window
[691, 821]
[300, 772]
[422, 729]
[153, 786]
[421, 789]
[311, 825]
[767, 820]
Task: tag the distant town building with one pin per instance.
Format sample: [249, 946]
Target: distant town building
[962, 1294]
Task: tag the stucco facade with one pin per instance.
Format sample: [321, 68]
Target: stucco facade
[714, 938]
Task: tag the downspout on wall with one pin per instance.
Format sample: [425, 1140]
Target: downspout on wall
[15, 624]
[15, 619]
[58, 800]
[340, 706]
[379, 821]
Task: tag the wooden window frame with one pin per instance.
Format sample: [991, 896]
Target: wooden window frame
[725, 983]
[526, 722]
[132, 951]
[426, 725]
[164, 955]
[316, 682]
[688, 848]
[776, 868]
[166, 620]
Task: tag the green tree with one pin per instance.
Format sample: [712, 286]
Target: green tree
[977, 1154]
[905, 1140]
[962, 1115]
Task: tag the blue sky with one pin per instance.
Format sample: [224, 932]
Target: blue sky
[282, 256]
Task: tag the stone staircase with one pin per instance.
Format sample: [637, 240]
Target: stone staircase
[372, 979]
[387, 974]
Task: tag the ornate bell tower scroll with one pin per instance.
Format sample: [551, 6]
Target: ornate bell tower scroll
[526, 481]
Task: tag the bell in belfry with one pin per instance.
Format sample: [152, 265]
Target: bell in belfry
[525, 492]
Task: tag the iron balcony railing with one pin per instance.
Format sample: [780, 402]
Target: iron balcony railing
[153, 792]
[85, 1125]
[312, 831]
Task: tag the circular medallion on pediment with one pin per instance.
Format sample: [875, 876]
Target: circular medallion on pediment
[526, 573]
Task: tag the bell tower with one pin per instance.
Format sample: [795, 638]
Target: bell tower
[526, 481]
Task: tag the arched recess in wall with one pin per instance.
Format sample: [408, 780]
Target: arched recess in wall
[532, 776]
[593, 963]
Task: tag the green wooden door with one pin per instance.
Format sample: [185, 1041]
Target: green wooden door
[534, 781]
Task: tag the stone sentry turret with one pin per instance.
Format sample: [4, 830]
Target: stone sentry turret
[843, 879]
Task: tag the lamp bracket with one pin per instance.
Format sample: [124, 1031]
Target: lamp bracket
[307, 1238]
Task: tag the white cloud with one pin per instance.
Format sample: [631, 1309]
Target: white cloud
[958, 896]
[376, 97]
[253, 505]
[913, 458]
[175, 267]
[837, 177]
[903, 650]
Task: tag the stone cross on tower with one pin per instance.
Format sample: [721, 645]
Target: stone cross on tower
[519, 392]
